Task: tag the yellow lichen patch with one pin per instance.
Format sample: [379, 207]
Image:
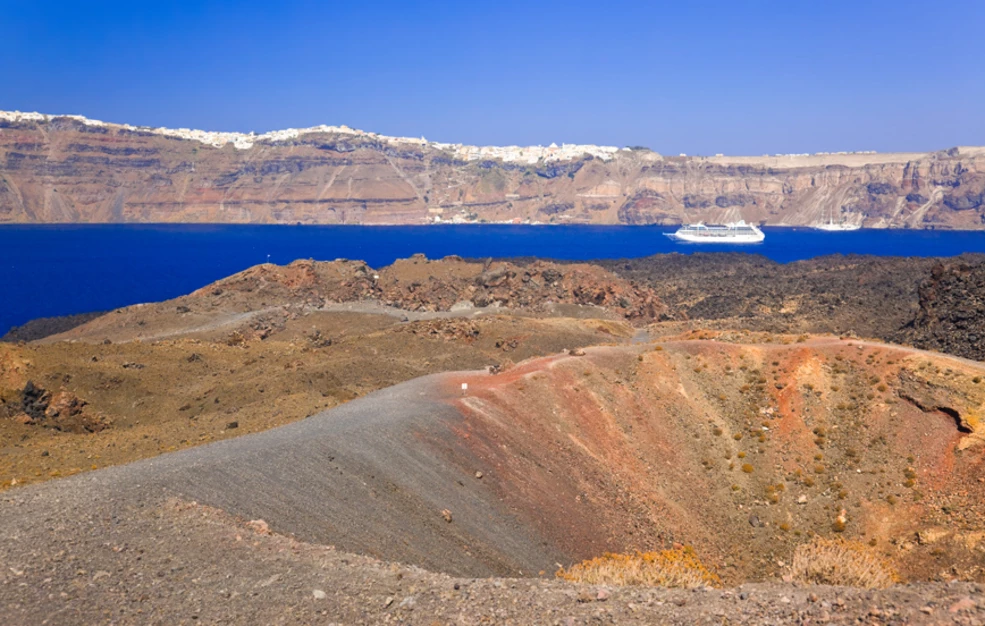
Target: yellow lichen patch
[679, 567]
[974, 422]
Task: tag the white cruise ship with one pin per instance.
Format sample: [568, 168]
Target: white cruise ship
[736, 232]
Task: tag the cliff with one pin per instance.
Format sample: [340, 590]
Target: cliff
[71, 169]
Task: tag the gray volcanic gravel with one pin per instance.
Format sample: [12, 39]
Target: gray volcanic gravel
[365, 476]
[182, 563]
[177, 540]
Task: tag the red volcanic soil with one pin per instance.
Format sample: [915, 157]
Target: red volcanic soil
[743, 450]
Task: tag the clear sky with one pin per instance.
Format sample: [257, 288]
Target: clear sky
[738, 77]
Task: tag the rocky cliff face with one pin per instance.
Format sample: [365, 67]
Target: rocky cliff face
[68, 169]
[951, 317]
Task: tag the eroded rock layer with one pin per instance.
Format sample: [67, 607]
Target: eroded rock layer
[742, 450]
[66, 169]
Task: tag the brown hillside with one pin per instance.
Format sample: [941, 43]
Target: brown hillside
[261, 299]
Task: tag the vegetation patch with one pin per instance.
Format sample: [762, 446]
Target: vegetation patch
[842, 562]
[679, 567]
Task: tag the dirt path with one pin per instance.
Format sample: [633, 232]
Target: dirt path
[917, 352]
[218, 322]
[223, 321]
[374, 307]
[368, 476]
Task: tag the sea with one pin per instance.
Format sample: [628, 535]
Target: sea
[51, 270]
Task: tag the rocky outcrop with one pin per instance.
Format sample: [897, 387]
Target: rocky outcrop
[418, 284]
[62, 411]
[68, 169]
[262, 300]
[866, 295]
[421, 284]
[951, 317]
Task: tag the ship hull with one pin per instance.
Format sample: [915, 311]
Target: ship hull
[717, 239]
[730, 233]
[834, 228]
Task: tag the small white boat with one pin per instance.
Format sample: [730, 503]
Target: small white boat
[735, 232]
[833, 226]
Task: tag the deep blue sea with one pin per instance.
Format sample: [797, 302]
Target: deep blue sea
[59, 270]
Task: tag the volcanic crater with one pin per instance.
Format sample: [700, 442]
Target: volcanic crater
[488, 419]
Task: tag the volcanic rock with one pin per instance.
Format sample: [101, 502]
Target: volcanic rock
[951, 315]
[265, 298]
[63, 411]
[68, 169]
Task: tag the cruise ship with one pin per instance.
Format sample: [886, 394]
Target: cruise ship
[736, 232]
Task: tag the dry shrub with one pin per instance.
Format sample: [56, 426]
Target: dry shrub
[679, 567]
[842, 562]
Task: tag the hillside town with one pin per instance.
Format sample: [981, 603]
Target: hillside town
[245, 141]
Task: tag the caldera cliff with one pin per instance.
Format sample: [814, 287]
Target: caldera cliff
[71, 169]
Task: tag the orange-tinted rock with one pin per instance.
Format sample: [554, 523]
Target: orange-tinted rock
[612, 453]
[64, 405]
[23, 418]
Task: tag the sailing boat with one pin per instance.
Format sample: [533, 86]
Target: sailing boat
[831, 226]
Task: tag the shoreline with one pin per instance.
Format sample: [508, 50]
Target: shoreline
[668, 227]
[56, 270]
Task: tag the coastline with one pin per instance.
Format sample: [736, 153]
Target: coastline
[87, 267]
[876, 227]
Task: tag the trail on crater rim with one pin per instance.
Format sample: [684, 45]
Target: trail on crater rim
[742, 450]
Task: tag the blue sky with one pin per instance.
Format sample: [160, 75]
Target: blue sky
[740, 77]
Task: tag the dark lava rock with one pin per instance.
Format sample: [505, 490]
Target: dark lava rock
[554, 209]
[736, 200]
[916, 198]
[46, 326]
[966, 202]
[929, 303]
[34, 400]
[951, 315]
[879, 189]
[560, 169]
